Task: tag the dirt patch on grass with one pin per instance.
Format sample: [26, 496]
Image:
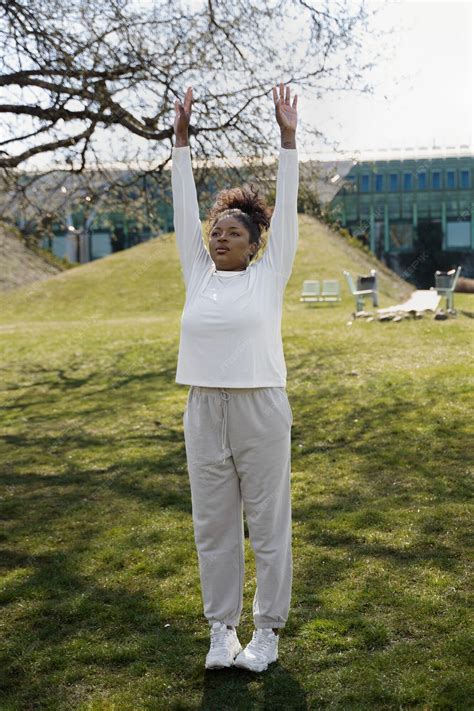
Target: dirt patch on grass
[20, 265]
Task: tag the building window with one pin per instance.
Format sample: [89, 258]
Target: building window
[422, 180]
[351, 185]
[407, 181]
[407, 209]
[436, 180]
[378, 211]
[364, 212]
[393, 181]
[450, 179]
[378, 183]
[465, 179]
[394, 207]
[458, 234]
[364, 183]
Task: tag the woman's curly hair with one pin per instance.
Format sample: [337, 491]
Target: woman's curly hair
[248, 207]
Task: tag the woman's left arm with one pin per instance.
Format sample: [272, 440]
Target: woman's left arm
[283, 238]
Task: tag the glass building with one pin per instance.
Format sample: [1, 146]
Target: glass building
[391, 204]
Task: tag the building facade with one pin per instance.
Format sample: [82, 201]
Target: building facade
[417, 208]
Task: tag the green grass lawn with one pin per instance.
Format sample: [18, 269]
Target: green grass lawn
[101, 604]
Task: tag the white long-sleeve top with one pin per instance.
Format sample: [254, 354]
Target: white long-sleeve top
[231, 320]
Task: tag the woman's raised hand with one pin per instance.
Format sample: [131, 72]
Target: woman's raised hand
[183, 117]
[286, 113]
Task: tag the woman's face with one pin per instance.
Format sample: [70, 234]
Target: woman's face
[229, 244]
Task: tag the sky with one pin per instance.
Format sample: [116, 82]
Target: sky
[423, 90]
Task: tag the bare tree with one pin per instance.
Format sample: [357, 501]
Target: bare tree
[88, 86]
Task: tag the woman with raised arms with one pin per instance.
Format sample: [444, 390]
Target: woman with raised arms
[237, 422]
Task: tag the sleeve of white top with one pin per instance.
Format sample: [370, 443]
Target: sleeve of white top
[283, 236]
[187, 225]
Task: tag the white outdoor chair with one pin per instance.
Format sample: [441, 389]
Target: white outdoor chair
[311, 290]
[331, 290]
[445, 284]
[359, 293]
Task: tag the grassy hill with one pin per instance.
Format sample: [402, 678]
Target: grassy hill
[101, 600]
[145, 280]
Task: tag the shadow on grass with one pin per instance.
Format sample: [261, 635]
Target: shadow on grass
[42, 501]
[60, 381]
[275, 688]
[75, 631]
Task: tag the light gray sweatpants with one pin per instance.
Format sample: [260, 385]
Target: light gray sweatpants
[238, 450]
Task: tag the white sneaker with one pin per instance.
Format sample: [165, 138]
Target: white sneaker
[224, 646]
[261, 651]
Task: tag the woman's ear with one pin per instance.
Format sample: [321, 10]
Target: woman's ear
[251, 252]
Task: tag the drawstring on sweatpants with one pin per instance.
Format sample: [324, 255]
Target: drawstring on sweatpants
[226, 397]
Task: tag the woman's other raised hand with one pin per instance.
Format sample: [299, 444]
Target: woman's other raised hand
[286, 115]
[182, 118]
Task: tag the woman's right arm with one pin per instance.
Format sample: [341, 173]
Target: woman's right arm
[187, 225]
